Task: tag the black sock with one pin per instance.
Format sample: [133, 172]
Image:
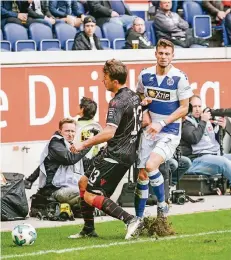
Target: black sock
[88, 215]
[115, 211]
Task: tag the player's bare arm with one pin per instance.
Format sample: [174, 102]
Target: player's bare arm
[179, 113]
[156, 127]
[107, 133]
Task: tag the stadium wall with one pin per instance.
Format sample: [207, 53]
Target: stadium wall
[40, 88]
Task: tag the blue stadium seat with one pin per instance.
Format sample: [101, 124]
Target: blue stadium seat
[119, 43]
[69, 44]
[18, 37]
[105, 43]
[202, 26]
[64, 32]
[4, 45]
[190, 10]
[149, 27]
[98, 32]
[112, 31]
[43, 37]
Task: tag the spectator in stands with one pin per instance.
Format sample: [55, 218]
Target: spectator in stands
[60, 169]
[110, 11]
[199, 142]
[15, 12]
[137, 32]
[171, 26]
[87, 40]
[39, 10]
[67, 11]
[219, 10]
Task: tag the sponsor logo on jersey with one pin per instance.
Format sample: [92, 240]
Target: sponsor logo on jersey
[158, 94]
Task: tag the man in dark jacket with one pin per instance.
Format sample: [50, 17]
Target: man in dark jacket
[39, 10]
[110, 11]
[87, 40]
[60, 169]
[199, 142]
[137, 32]
[15, 12]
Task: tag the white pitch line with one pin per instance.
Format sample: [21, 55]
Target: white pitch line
[114, 244]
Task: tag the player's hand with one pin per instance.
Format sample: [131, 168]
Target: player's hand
[222, 122]
[146, 101]
[206, 116]
[76, 148]
[154, 129]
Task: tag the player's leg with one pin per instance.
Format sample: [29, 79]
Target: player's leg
[163, 151]
[87, 213]
[141, 193]
[157, 180]
[101, 185]
[142, 190]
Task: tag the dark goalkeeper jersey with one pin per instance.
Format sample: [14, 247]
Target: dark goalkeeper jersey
[124, 112]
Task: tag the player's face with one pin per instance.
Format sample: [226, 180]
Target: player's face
[68, 131]
[164, 56]
[197, 107]
[108, 83]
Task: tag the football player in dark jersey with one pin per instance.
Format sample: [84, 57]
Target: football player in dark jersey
[108, 168]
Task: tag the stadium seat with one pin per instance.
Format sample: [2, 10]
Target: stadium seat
[190, 10]
[149, 27]
[202, 26]
[18, 37]
[112, 31]
[69, 44]
[98, 32]
[119, 43]
[43, 37]
[5, 45]
[105, 43]
[64, 32]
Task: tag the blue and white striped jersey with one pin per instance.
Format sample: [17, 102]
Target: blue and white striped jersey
[166, 91]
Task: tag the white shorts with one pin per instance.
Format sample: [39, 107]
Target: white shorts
[165, 146]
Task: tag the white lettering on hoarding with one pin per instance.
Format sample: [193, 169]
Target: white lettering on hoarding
[32, 100]
[216, 88]
[95, 94]
[3, 107]
[203, 92]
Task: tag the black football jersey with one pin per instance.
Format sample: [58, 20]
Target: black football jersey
[124, 112]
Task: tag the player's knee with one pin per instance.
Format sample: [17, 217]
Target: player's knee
[89, 198]
[151, 166]
[143, 175]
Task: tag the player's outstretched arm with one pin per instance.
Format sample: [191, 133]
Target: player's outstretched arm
[107, 134]
[179, 113]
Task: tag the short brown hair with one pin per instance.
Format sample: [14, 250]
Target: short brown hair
[66, 121]
[116, 70]
[165, 43]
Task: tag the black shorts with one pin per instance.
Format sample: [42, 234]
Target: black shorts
[104, 176]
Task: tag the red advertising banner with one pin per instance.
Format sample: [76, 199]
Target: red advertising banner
[34, 99]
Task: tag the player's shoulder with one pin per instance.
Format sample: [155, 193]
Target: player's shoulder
[179, 73]
[148, 70]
